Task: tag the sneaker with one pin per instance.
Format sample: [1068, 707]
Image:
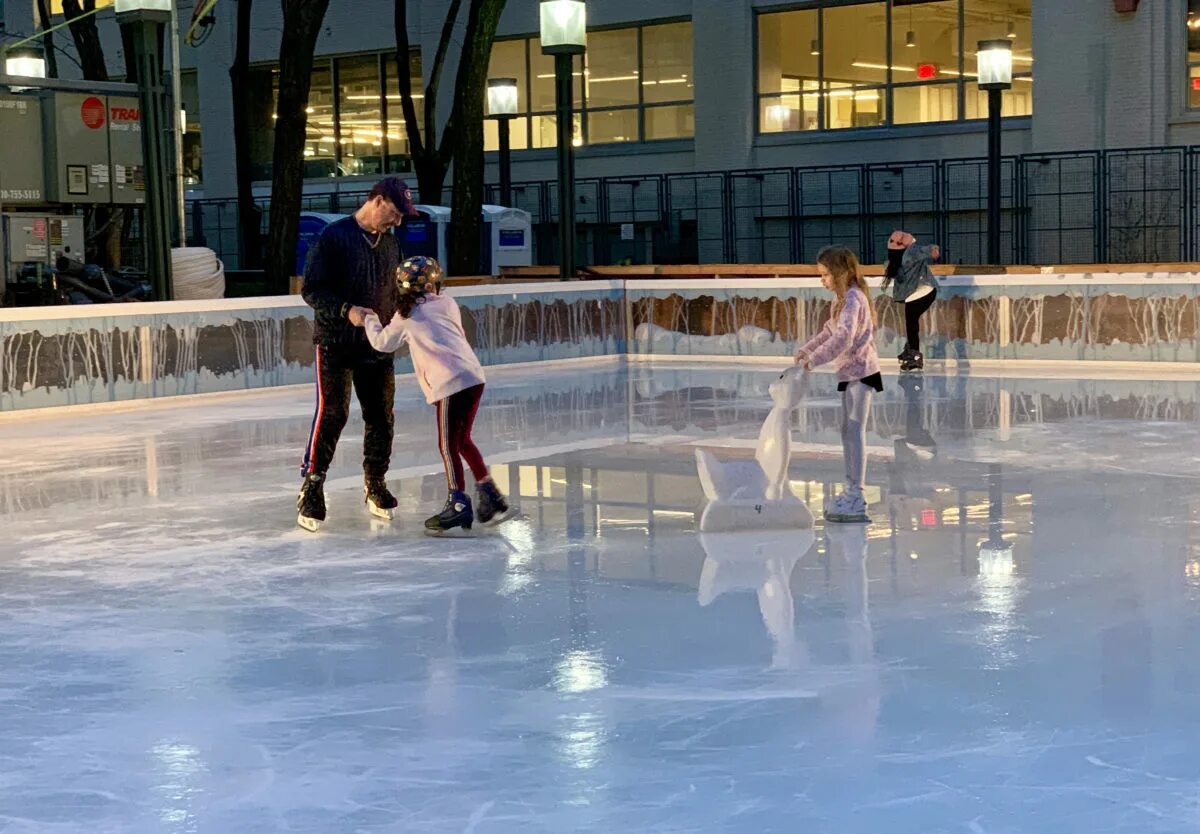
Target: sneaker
[380, 502]
[456, 513]
[847, 509]
[489, 502]
[310, 504]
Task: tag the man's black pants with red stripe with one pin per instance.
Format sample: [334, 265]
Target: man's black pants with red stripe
[374, 382]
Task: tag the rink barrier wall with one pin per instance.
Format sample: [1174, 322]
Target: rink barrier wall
[84, 355]
[1109, 317]
[64, 356]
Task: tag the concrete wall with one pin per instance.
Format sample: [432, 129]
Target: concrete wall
[1103, 81]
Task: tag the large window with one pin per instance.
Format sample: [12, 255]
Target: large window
[193, 168]
[56, 6]
[633, 85]
[1193, 53]
[359, 131]
[862, 64]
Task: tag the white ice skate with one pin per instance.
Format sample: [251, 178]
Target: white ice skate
[753, 495]
[380, 502]
[310, 503]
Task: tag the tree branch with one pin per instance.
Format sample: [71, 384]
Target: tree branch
[416, 144]
[450, 136]
[435, 75]
[43, 10]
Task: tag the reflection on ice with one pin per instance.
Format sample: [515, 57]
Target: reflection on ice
[174, 657]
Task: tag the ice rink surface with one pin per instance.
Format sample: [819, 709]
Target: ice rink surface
[1011, 647]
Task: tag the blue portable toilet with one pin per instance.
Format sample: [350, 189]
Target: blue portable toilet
[311, 225]
[425, 234]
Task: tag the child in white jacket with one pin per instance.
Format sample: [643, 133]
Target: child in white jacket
[452, 379]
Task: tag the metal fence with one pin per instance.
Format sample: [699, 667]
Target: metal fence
[1119, 206]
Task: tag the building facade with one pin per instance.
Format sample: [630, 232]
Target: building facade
[676, 87]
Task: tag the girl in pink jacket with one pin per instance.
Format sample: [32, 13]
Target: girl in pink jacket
[848, 341]
[452, 380]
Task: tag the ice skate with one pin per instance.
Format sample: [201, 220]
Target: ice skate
[456, 518]
[380, 502]
[905, 355]
[915, 363]
[847, 509]
[310, 504]
[490, 506]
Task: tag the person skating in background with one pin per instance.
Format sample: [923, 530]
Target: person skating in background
[350, 270]
[848, 340]
[913, 285]
[452, 380]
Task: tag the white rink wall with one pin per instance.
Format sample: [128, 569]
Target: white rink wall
[79, 355]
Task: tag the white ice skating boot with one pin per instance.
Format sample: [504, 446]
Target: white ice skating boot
[380, 502]
[753, 495]
[310, 504]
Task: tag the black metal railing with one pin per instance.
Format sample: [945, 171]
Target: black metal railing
[1117, 206]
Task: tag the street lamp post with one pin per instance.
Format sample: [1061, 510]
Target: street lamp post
[564, 35]
[145, 21]
[502, 106]
[995, 75]
[26, 61]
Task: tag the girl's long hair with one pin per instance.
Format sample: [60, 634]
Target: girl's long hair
[843, 265]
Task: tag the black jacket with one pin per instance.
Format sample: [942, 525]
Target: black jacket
[344, 271]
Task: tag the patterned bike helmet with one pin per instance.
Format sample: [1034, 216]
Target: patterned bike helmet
[419, 276]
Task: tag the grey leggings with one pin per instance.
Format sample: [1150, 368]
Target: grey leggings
[856, 405]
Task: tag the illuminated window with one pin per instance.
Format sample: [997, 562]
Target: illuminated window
[634, 84]
[193, 168]
[1193, 53]
[56, 6]
[360, 115]
[863, 64]
[358, 132]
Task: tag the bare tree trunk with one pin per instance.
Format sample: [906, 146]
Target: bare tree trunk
[43, 12]
[301, 24]
[466, 221]
[87, 39]
[431, 158]
[249, 216]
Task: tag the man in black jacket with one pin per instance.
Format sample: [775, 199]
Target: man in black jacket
[351, 270]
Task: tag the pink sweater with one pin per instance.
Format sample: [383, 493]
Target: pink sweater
[850, 340]
[442, 357]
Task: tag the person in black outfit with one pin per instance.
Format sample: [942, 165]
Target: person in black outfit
[351, 270]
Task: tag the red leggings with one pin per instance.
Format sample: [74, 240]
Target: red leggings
[456, 416]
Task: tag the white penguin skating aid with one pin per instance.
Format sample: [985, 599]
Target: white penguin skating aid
[753, 495]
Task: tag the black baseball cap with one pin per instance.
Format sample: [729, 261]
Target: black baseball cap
[396, 192]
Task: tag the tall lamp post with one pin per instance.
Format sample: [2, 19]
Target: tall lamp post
[502, 106]
[145, 21]
[564, 35]
[995, 75]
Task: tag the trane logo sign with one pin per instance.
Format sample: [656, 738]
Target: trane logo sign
[93, 114]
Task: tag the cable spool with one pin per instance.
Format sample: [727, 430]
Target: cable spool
[197, 274]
